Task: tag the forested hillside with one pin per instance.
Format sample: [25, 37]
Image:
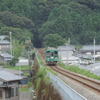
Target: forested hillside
[78, 20]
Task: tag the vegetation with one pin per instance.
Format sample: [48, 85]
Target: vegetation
[2, 64]
[55, 38]
[74, 19]
[78, 70]
[23, 67]
[24, 89]
[13, 61]
[26, 74]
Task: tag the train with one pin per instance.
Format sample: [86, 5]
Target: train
[51, 56]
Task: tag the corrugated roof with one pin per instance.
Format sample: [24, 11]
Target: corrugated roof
[4, 42]
[90, 47]
[65, 47]
[6, 76]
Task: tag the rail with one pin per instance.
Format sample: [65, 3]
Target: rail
[66, 92]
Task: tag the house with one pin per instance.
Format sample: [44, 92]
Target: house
[15, 72]
[89, 50]
[2, 37]
[65, 49]
[5, 57]
[4, 46]
[67, 53]
[9, 85]
[19, 73]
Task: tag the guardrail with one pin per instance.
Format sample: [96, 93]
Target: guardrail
[64, 90]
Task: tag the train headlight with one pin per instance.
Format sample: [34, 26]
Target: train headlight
[52, 57]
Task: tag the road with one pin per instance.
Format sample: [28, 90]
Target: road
[22, 61]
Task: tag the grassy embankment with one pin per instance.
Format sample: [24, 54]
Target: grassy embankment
[23, 67]
[78, 70]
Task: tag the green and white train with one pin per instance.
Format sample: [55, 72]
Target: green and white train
[51, 56]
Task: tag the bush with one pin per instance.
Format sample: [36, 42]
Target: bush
[29, 84]
[13, 61]
[1, 64]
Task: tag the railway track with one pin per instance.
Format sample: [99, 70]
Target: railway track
[93, 85]
[41, 52]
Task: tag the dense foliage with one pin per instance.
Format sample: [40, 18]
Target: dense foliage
[53, 40]
[78, 20]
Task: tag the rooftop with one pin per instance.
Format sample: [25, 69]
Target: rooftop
[5, 55]
[15, 72]
[6, 76]
[4, 42]
[90, 47]
[65, 47]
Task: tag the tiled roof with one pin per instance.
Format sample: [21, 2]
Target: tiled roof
[65, 47]
[6, 76]
[90, 47]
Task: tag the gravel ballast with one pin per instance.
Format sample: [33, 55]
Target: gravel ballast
[88, 94]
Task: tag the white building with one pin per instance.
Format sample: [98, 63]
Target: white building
[68, 54]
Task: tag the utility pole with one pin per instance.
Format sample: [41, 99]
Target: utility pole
[10, 44]
[67, 45]
[60, 53]
[94, 51]
[28, 57]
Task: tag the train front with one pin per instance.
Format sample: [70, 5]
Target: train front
[51, 56]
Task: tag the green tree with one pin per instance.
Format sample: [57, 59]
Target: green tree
[13, 61]
[17, 48]
[53, 40]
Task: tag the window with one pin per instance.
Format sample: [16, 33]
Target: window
[51, 53]
[48, 53]
[1, 94]
[56, 53]
[7, 93]
[16, 91]
[12, 92]
[98, 53]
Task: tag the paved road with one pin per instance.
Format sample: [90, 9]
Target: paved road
[25, 96]
[22, 61]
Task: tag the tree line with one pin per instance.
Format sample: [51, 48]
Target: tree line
[78, 20]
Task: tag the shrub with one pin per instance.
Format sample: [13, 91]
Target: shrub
[13, 61]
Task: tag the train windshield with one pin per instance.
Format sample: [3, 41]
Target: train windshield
[51, 53]
[48, 53]
[56, 53]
